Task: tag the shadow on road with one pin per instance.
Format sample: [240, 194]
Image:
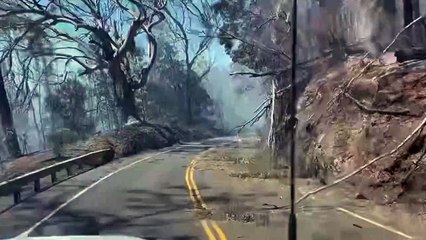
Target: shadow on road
[147, 214]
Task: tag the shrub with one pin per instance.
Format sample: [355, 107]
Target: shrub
[61, 137]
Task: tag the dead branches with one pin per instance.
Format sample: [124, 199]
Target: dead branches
[416, 165]
[366, 109]
[343, 89]
[263, 108]
[259, 112]
[304, 64]
[255, 74]
[417, 130]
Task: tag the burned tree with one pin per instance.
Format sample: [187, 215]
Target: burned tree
[6, 120]
[262, 47]
[95, 35]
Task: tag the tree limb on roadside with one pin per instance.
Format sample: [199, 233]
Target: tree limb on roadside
[417, 130]
[364, 108]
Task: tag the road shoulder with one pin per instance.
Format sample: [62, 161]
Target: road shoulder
[246, 207]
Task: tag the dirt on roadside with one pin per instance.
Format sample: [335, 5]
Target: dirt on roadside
[239, 194]
[382, 106]
[247, 160]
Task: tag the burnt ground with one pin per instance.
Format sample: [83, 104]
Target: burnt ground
[249, 200]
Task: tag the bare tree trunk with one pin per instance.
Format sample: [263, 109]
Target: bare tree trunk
[391, 10]
[416, 8]
[188, 99]
[6, 121]
[40, 135]
[408, 12]
[419, 29]
[40, 115]
[278, 135]
[271, 138]
[123, 92]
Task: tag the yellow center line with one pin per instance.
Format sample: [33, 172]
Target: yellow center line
[188, 184]
[219, 231]
[197, 192]
[208, 230]
[196, 199]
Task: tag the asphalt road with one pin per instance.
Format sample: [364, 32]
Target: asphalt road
[148, 199]
[147, 196]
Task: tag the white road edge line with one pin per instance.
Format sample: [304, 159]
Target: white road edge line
[390, 229]
[27, 232]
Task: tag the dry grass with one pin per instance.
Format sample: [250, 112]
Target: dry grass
[245, 162]
[342, 136]
[361, 147]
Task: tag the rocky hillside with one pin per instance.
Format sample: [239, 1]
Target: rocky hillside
[354, 112]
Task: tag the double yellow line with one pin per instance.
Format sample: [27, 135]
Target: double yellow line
[194, 195]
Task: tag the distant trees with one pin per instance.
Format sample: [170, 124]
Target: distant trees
[180, 15]
[67, 104]
[165, 97]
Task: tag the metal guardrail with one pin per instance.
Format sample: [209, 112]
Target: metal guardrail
[14, 186]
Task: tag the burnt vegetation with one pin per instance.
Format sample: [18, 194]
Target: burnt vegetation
[91, 68]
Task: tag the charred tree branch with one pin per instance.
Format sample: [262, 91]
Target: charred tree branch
[379, 111]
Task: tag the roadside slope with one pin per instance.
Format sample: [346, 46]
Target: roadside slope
[249, 206]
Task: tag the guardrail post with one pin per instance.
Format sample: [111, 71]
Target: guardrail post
[53, 177]
[14, 186]
[37, 185]
[17, 197]
[69, 171]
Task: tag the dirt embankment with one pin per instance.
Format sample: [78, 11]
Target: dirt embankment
[380, 108]
[126, 141]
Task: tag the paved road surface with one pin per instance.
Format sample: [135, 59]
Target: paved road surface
[150, 199]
